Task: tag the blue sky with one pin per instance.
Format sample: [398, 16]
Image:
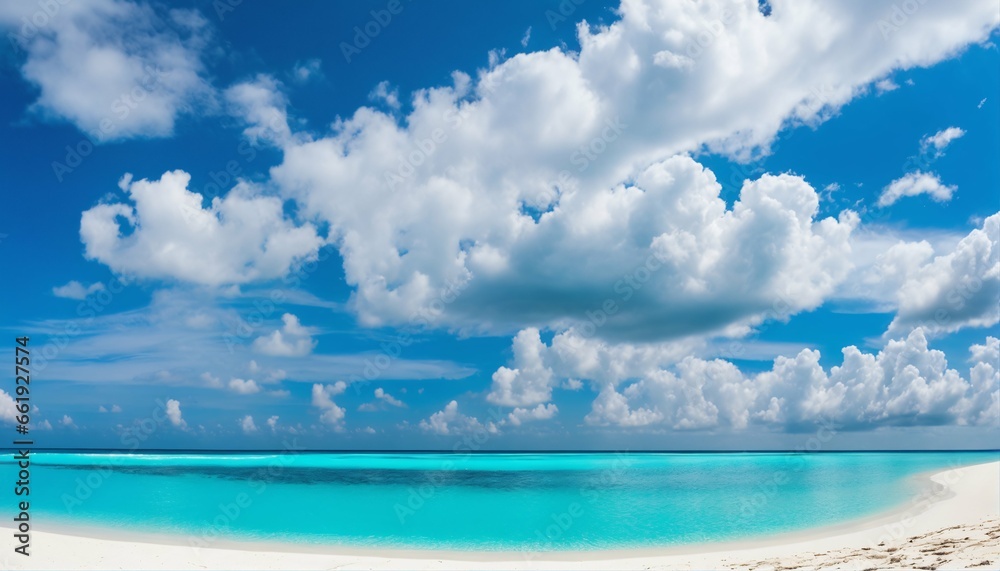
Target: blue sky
[490, 224]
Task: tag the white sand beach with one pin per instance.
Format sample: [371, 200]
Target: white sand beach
[954, 525]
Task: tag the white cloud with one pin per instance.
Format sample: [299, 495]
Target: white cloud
[168, 234]
[307, 70]
[984, 378]
[571, 356]
[387, 398]
[322, 398]
[113, 68]
[481, 234]
[519, 416]
[904, 384]
[611, 407]
[914, 184]
[526, 38]
[244, 387]
[8, 408]
[116, 408]
[530, 382]
[67, 421]
[937, 142]
[102, 409]
[885, 86]
[585, 187]
[385, 93]
[953, 290]
[247, 425]
[272, 422]
[211, 380]
[670, 60]
[137, 344]
[292, 340]
[45, 425]
[76, 290]
[174, 413]
[261, 103]
[449, 422]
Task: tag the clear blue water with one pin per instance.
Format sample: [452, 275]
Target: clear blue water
[524, 501]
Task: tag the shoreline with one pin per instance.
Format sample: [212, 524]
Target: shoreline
[959, 496]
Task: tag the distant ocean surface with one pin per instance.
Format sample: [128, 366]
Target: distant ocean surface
[501, 501]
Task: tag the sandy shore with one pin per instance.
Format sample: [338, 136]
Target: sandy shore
[955, 524]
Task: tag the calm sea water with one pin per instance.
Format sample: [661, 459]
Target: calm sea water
[525, 501]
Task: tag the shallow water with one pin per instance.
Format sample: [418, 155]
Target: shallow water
[523, 501]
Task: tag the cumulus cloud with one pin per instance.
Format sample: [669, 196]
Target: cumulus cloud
[449, 421]
[322, 398]
[953, 290]
[272, 422]
[8, 408]
[387, 398]
[166, 233]
[292, 340]
[906, 383]
[915, 184]
[244, 386]
[538, 368]
[611, 407]
[936, 143]
[385, 93]
[115, 69]
[984, 377]
[885, 86]
[519, 416]
[508, 200]
[45, 425]
[76, 290]
[530, 381]
[67, 421]
[247, 425]
[174, 413]
[534, 232]
[261, 103]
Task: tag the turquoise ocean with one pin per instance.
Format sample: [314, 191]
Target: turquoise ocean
[488, 501]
